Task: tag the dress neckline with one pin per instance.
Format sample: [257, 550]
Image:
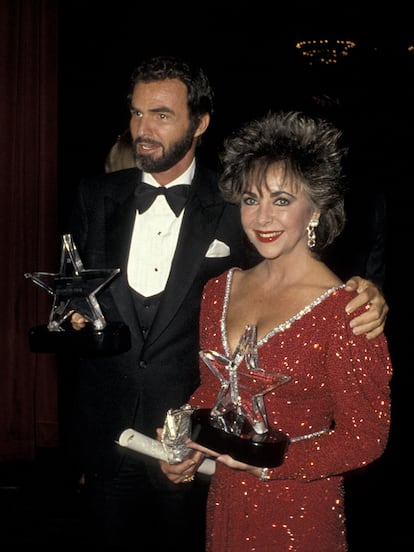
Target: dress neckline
[281, 327]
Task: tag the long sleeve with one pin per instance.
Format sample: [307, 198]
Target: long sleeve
[339, 383]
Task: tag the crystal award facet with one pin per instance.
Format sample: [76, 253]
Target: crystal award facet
[237, 424]
[75, 288]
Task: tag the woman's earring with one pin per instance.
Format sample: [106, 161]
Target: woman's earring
[311, 232]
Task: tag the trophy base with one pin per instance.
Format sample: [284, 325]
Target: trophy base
[267, 450]
[114, 339]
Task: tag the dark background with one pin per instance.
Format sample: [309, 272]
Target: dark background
[248, 51]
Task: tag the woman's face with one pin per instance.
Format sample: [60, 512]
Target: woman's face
[275, 217]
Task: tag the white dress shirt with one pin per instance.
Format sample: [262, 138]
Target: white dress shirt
[154, 240]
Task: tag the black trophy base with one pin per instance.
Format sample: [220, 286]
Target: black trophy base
[267, 450]
[114, 339]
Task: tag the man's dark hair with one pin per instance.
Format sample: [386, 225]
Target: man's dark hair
[200, 93]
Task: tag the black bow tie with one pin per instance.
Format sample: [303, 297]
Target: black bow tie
[176, 196]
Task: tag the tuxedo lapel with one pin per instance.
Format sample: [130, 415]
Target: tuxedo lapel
[119, 223]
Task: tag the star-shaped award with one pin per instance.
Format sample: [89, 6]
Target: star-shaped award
[240, 399]
[237, 424]
[75, 288]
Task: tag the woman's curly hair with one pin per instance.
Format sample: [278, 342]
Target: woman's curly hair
[310, 153]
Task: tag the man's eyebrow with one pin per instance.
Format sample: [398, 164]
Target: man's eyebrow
[161, 109]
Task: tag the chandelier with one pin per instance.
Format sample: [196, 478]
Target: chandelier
[326, 51]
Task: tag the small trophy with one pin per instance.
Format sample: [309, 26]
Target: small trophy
[176, 430]
[172, 448]
[74, 289]
[237, 424]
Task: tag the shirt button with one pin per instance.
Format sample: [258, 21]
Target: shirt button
[142, 364]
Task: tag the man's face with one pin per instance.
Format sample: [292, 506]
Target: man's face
[160, 124]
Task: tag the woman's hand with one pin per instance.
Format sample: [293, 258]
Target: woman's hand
[184, 472]
[226, 459]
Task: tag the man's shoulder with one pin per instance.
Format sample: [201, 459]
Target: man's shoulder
[206, 173]
[123, 175]
[205, 184]
[116, 182]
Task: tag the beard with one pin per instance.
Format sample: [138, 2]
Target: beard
[169, 157]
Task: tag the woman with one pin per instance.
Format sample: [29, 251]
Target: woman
[285, 173]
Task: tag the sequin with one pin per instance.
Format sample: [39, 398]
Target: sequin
[339, 381]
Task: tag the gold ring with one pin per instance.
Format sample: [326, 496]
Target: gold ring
[188, 478]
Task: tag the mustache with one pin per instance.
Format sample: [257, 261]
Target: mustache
[146, 140]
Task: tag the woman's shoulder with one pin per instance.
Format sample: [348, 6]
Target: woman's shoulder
[223, 279]
[335, 299]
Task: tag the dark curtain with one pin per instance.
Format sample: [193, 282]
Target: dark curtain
[28, 222]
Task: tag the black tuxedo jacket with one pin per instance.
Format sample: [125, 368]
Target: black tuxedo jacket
[136, 388]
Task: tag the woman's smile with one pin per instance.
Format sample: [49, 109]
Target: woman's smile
[267, 237]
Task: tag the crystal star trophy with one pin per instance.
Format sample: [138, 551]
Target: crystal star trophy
[75, 289]
[237, 424]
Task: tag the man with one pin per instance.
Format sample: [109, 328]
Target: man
[165, 258]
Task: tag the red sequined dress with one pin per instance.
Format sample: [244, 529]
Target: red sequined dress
[337, 380]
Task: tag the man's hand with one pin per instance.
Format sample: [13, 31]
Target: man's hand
[372, 321]
[77, 321]
[182, 472]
